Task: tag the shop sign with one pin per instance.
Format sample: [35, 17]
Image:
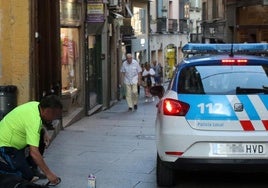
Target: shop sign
[70, 13]
[95, 11]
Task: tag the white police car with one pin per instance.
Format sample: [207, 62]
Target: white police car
[214, 112]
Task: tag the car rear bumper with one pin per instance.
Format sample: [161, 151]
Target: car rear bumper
[256, 165]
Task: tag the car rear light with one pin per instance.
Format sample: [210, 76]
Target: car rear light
[173, 107]
[176, 153]
[234, 61]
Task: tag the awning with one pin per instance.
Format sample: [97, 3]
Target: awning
[128, 10]
[118, 15]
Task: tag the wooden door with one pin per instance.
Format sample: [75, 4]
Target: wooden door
[45, 54]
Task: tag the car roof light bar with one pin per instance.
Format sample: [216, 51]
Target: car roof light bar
[238, 48]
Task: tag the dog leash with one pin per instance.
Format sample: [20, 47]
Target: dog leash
[53, 184]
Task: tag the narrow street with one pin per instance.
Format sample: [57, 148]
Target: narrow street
[115, 145]
[118, 147]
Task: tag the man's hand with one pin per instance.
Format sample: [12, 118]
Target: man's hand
[46, 138]
[53, 178]
[139, 79]
[38, 159]
[139, 82]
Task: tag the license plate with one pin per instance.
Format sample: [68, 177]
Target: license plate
[239, 149]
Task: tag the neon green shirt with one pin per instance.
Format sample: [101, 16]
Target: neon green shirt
[21, 126]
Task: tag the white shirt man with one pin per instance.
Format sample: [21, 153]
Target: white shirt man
[131, 74]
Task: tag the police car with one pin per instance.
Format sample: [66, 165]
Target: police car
[214, 113]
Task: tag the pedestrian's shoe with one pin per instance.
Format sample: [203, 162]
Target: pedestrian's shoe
[129, 109]
[35, 179]
[135, 107]
[39, 174]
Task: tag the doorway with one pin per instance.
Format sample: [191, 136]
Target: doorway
[46, 68]
[93, 74]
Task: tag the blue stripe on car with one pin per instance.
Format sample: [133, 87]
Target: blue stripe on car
[249, 107]
[208, 107]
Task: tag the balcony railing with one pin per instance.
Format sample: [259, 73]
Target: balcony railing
[172, 25]
[183, 26]
[196, 37]
[161, 25]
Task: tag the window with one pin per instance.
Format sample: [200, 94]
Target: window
[69, 58]
[195, 4]
[215, 9]
[138, 21]
[186, 11]
[190, 81]
[222, 79]
[204, 11]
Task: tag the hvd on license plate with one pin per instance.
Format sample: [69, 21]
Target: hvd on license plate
[239, 149]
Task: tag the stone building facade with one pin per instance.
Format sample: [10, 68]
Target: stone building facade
[224, 21]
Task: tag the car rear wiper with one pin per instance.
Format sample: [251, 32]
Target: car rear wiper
[240, 90]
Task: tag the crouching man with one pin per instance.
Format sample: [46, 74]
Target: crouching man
[23, 128]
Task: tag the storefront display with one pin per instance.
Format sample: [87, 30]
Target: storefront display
[70, 13]
[69, 57]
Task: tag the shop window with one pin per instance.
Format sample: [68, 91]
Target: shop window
[69, 58]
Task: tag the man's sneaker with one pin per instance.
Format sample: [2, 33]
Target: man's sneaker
[39, 174]
[35, 178]
[130, 109]
[135, 107]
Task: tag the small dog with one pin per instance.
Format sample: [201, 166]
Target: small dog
[11, 181]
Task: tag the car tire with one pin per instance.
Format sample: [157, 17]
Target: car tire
[165, 176]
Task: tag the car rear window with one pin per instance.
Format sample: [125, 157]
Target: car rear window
[224, 79]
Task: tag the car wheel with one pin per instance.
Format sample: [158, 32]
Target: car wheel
[165, 176]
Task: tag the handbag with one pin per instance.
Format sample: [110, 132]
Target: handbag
[143, 83]
[148, 81]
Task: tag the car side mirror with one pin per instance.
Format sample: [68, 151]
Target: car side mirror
[157, 91]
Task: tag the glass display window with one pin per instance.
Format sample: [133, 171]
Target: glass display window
[69, 58]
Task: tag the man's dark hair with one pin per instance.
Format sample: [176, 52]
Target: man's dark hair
[51, 101]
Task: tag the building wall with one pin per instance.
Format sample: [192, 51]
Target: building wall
[173, 9]
[159, 44]
[165, 45]
[195, 18]
[195, 21]
[221, 9]
[252, 28]
[209, 10]
[14, 46]
[139, 22]
[153, 13]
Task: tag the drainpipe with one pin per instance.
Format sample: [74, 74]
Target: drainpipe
[149, 29]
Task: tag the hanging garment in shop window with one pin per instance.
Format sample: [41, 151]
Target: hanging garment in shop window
[69, 52]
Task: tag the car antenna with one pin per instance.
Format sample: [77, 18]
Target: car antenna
[232, 50]
[232, 44]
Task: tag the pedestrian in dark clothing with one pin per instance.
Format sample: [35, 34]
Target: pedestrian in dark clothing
[158, 72]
